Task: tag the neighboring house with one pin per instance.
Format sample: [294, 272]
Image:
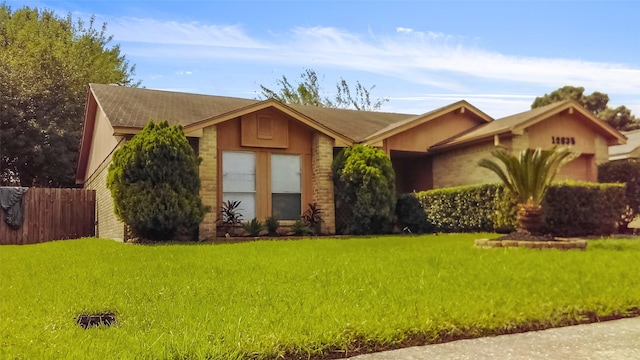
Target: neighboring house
[276, 158]
[630, 150]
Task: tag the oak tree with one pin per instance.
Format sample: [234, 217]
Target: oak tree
[46, 63]
[619, 118]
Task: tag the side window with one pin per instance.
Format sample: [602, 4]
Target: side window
[286, 188]
[239, 181]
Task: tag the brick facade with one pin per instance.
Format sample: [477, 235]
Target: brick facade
[208, 151]
[322, 182]
[460, 166]
[108, 225]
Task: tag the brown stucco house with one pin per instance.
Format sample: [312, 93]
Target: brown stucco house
[276, 158]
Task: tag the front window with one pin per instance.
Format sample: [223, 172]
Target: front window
[286, 188]
[239, 181]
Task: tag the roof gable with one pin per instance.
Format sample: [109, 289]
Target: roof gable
[516, 124]
[461, 106]
[270, 103]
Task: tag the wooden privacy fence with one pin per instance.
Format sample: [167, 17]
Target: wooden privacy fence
[52, 214]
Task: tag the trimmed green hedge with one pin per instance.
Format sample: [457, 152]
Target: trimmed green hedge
[571, 209]
[410, 216]
[579, 209]
[627, 172]
[465, 208]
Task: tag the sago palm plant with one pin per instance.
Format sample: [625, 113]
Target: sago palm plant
[528, 176]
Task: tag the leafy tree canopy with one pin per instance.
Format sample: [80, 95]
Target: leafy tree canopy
[309, 92]
[46, 63]
[155, 184]
[619, 118]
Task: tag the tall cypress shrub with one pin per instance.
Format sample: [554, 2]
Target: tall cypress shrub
[366, 181]
[154, 181]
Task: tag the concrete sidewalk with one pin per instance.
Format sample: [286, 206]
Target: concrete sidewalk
[610, 340]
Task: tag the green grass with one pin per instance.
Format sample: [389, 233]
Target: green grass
[298, 298]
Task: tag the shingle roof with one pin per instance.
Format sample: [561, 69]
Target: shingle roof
[354, 124]
[499, 126]
[134, 107]
[506, 124]
[626, 150]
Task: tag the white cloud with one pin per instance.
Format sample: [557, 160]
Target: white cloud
[181, 72]
[447, 62]
[151, 31]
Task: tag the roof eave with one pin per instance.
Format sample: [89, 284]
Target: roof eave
[87, 137]
[461, 106]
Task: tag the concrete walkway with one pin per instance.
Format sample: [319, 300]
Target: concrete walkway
[610, 340]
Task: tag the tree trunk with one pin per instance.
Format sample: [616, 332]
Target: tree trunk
[529, 218]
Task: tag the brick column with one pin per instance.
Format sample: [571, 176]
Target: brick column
[322, 184]
[208, 149]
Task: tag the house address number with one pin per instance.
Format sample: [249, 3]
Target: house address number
[563, 140]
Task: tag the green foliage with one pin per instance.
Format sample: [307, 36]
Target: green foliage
[46, 62]
[312, 217]
[462, 209]
[366, 183]
[231, 214]
[505, 211]
[581, 209]
[154, 182]
[627, 172]
[272, 225]
[410, 215]
[619, 118]
[309, 90]
[570, 209]
[253, 227]
[596, 102]
[300, 228]
[529, 174]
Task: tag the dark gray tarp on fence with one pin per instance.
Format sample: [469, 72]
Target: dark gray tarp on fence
[11, 202]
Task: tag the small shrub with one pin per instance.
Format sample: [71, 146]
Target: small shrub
[411, 215]
[253, 227]
[312, 217]
[231, 215]
[299, 228]
[272, 225]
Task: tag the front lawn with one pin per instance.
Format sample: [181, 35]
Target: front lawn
[298, 298]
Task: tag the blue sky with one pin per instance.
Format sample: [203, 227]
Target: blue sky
[498, 55]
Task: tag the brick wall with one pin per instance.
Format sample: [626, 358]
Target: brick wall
[460, 166]
[109, 226]
[322, 182]
[209, 180]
